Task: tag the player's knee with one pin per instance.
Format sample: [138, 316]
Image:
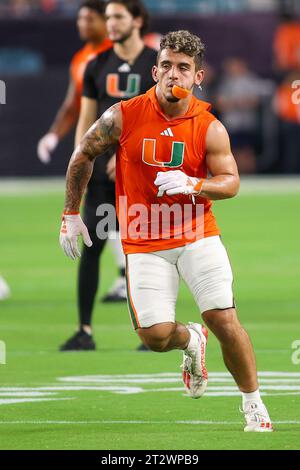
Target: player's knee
[157, 337]
[223, 323]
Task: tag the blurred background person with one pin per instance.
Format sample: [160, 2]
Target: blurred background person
[287, 108]
[208, 88]
[153, 40]
[286, 50]
[237, 102]
[286, 43]
[92, 29]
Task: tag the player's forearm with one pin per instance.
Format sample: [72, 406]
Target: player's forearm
[220, 187]
[87, 117]
[64, 121]
[79, 172]
[81, 129]
[100, 137]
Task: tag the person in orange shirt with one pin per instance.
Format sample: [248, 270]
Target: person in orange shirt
[286, 48]
[287, 108]
[173, 159]
[92, 29]
[91, 25]
[286, 43]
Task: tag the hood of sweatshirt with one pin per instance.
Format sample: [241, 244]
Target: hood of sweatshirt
[196, 106]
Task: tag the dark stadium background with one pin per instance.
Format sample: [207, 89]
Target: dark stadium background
[38, 39]
[118, 397]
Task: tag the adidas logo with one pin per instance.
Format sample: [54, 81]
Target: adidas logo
[124, 67]
[167, 132]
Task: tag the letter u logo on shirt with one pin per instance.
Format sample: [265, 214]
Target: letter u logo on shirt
[149, 154]
[132, 89]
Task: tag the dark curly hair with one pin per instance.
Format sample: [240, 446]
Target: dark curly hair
[185, 42]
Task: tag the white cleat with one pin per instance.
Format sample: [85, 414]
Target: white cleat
[194, 372]
[257, 417]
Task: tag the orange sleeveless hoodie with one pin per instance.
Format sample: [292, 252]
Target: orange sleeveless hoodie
[151, 143]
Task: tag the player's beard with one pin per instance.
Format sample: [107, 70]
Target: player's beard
[124, 36]
[172, 99]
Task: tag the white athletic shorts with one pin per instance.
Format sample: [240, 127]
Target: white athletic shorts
[153, 280]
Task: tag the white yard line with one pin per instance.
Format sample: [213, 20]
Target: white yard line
[185, 422]
[13, 401]
[272, 383]
[249, 184]
[100, 378]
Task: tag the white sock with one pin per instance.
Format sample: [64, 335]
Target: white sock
[194, 341]
[252, 396]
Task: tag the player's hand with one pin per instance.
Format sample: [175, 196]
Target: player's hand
[72, 226]
[111, 168]
[176, 182]
[46, 146]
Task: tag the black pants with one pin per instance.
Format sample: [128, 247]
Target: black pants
[88, 275]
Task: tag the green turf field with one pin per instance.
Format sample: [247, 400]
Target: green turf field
[117, 398]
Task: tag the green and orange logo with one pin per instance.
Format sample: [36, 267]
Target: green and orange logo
[113, 85]
[150, 158]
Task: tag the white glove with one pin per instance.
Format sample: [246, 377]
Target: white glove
[176, 182]
[72, 226]
[46, 146]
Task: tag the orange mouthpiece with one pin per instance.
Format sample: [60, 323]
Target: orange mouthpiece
[179, 92]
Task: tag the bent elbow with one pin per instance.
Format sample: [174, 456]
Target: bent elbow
[234, 190]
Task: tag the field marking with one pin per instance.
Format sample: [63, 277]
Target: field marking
[76, 388]
[80, 388]
[221, 384]
[23, 394]
[249, 185]
[13, 401]
[184, 422]
[272, 383]
[170, 380]
[95, 378]
[211, 392]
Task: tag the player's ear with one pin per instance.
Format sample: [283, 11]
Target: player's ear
[139, 22]
[199, 77]
[154, 73]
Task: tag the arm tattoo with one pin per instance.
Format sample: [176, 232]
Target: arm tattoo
[104, 134]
